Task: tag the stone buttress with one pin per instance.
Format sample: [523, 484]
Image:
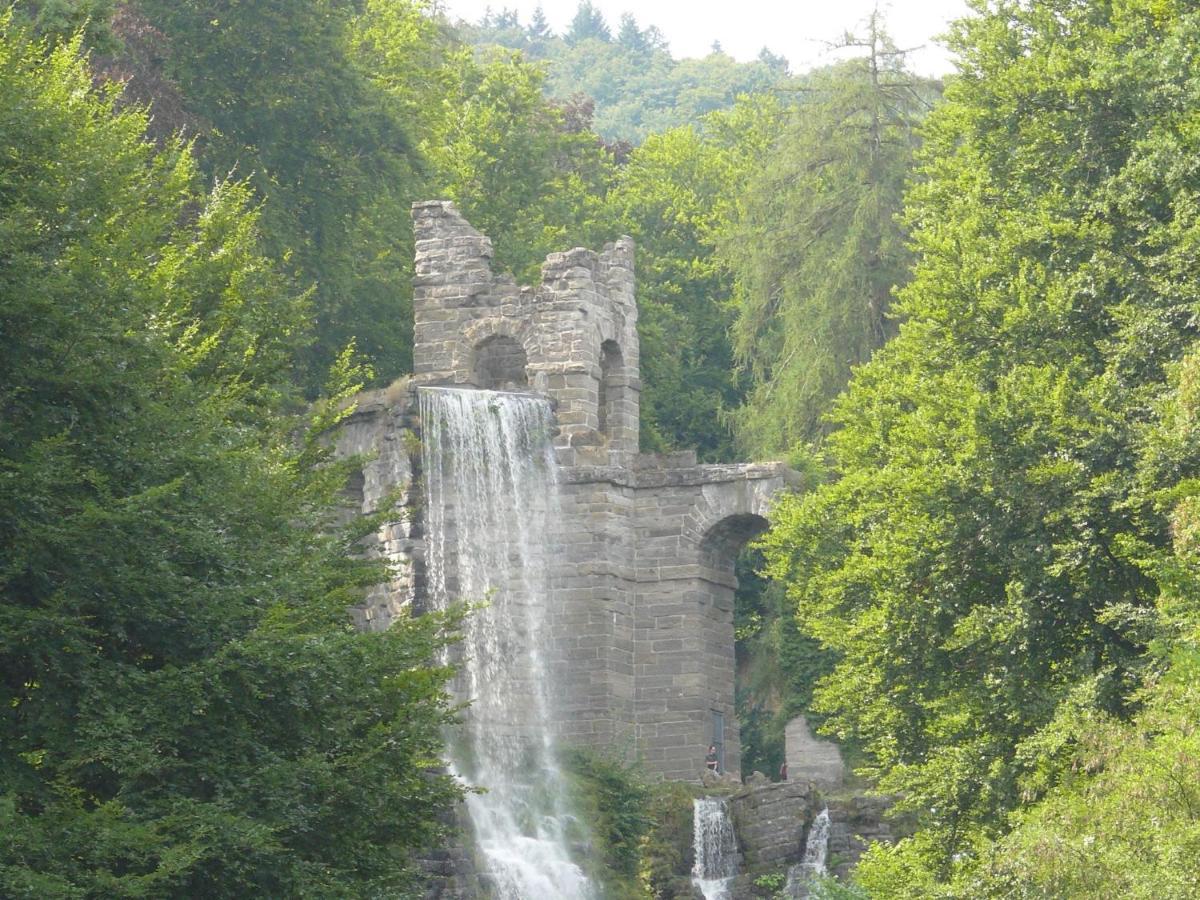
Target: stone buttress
[642, 656]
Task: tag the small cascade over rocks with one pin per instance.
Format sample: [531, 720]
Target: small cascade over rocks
[816, 848]
[816, 851]
[716, 863]
[489, 473]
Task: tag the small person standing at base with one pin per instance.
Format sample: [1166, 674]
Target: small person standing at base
[710, 761]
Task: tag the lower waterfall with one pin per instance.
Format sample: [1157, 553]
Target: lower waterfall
[489, 476]
[716, 848]
[816, 850]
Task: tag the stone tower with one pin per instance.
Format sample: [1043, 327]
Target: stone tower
[572, 338]
[643, 584]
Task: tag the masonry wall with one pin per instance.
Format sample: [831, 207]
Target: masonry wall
[584, 302]
[641, 622]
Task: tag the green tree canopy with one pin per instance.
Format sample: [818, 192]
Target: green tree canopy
[819, 246]
[186, 710]
[332, 154]
[588, 25]
[978, 558]
[519, 172]
[675, 197]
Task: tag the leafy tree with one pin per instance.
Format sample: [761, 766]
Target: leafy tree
[638, 89]
[539, 27]
[1124, 821]
[328, 150]
[773, 60]
[675, 197]
[588, 25]
[516, 169]
[978, 561]
[138, 64]
[60, 20]
[819, 247]
[630, 35]
[186, 710]
[507, 18]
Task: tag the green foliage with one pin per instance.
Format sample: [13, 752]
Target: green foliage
[185, 709]
[675, 196]
[637, 87]
[61, 20]
[324, 144]
[613, 797]
[829, 888]
[980, 560]
[1125, 819]
[779, 666]
[818, 246]
[519, 173]
[770, 883]
[588, 25]
[666, 863]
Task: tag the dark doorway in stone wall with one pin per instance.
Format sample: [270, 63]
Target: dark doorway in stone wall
[719, 551]
[612, 384]
[718, 737]
[500, 364]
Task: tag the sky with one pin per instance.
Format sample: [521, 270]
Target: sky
[798, 29]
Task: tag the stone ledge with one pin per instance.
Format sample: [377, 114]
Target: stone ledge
[692, 476]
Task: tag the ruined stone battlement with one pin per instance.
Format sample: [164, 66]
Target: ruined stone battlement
[572, 338]
[642, 646]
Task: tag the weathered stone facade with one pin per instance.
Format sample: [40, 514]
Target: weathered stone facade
[642, 621]
[810, 758]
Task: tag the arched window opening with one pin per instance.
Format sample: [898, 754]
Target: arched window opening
[500, 364]
[612, 371]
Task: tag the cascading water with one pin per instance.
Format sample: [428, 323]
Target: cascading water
[816, 849]
[489, 477]
[716, 848]
[817, 846]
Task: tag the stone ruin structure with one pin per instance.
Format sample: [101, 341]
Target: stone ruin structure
[642, 644]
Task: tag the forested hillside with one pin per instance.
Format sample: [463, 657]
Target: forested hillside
[966, 312]
[626, 71]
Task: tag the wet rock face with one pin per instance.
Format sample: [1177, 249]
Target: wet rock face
[772, 821]
[856, 822]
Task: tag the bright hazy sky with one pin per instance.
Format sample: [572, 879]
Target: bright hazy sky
[797, 29]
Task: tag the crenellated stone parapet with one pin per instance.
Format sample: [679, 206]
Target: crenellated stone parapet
[573, 337]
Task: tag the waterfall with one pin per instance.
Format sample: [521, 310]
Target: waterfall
[816, 849]
[490, 491]
[716, 848]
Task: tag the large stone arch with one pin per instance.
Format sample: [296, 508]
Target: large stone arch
[691, 607]
[725, 539]
[729, 514]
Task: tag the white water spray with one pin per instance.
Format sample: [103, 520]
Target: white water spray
[490, 488]
[816, 850]
[716, 848]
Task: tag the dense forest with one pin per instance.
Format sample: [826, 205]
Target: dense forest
[966, 311]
